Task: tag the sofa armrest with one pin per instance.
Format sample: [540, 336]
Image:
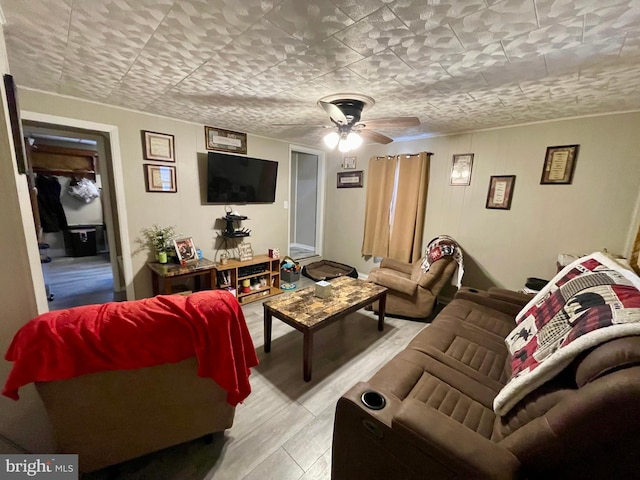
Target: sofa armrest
[510, 296]
[483, 298]
[394, 282]
[461, 448]
[396, 265]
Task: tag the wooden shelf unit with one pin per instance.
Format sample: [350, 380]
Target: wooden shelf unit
[271, 271]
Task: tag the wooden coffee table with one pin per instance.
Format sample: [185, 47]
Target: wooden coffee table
[307, 313]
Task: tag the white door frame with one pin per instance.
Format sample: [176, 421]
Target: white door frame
[118, 181]
[321, 193]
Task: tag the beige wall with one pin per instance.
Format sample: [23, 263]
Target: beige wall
[505, 247]
[23, 422]
[184, 209]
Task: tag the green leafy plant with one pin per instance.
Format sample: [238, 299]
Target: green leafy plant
[158, 239]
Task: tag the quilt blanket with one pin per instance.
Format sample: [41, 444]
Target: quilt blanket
[444, 246]
[591, 301]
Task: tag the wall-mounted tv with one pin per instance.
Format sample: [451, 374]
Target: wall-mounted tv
[235, 179]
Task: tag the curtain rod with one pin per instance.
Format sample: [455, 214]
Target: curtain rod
[406, 154]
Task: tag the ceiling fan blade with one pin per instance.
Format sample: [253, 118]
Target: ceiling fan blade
[324, 125]
[374, 136]
[390, 122]
[334, 112]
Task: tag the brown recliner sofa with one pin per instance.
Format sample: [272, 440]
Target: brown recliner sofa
[412, 292]
[427, 414]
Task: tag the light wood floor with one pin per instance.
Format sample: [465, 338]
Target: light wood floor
[283, 430]
[75, 281]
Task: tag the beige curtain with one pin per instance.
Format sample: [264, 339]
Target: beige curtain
[380, 181]
[405, 241]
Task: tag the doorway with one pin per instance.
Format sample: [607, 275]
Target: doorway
[307, 187]
[79, 254]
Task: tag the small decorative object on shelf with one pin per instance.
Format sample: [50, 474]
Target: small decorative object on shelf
[274, 252]
[224, 258]
[245, 252]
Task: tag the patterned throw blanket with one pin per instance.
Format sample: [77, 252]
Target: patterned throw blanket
[444, 246]
[591, 301]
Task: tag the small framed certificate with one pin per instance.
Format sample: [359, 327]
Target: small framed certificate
[559, 165]
[461, 169]
[350, 179]
[158, 146]
[160, 178]
[225, 140]
[500, 192]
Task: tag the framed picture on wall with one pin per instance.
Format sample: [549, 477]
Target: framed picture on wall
[461, 169]
[559, 164]
[16, 123]
[500, 192]
[349, 162]
[225, 140]
[158, 146]
[350, 179]
[160, 178]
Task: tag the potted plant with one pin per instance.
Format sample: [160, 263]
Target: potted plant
[158, 239]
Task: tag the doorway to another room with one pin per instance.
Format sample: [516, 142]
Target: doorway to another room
[74, 216]
[305, 235]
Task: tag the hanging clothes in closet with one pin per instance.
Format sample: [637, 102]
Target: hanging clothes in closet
[52, 217]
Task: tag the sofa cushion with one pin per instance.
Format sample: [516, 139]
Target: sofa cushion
[485, 318]
[481, 355]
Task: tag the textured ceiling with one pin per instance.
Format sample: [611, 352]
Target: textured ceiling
[246, 65]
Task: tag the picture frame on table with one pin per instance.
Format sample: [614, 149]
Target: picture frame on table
[500, 192]
[225, 140]
[158, 147]
[185, 250]
[461, 168]
[350, 179]
[559, 165]
[160, 178]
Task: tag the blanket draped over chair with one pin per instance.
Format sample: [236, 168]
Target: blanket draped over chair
[442, 246]
[591, 301]
[137, 334]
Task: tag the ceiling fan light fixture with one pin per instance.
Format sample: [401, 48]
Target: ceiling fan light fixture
[331, 139]
[354, 140]
[343, 145]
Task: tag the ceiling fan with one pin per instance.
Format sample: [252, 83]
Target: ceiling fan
[345, 111]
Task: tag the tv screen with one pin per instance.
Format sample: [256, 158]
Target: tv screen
[235, 179]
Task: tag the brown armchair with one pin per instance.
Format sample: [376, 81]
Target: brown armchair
[412, 292]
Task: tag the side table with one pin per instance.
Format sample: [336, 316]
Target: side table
[163, 275]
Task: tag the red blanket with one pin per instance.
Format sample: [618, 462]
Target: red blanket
[137, 334]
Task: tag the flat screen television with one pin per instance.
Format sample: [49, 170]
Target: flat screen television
[235, 179]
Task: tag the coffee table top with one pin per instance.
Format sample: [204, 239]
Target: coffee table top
[304, 308]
